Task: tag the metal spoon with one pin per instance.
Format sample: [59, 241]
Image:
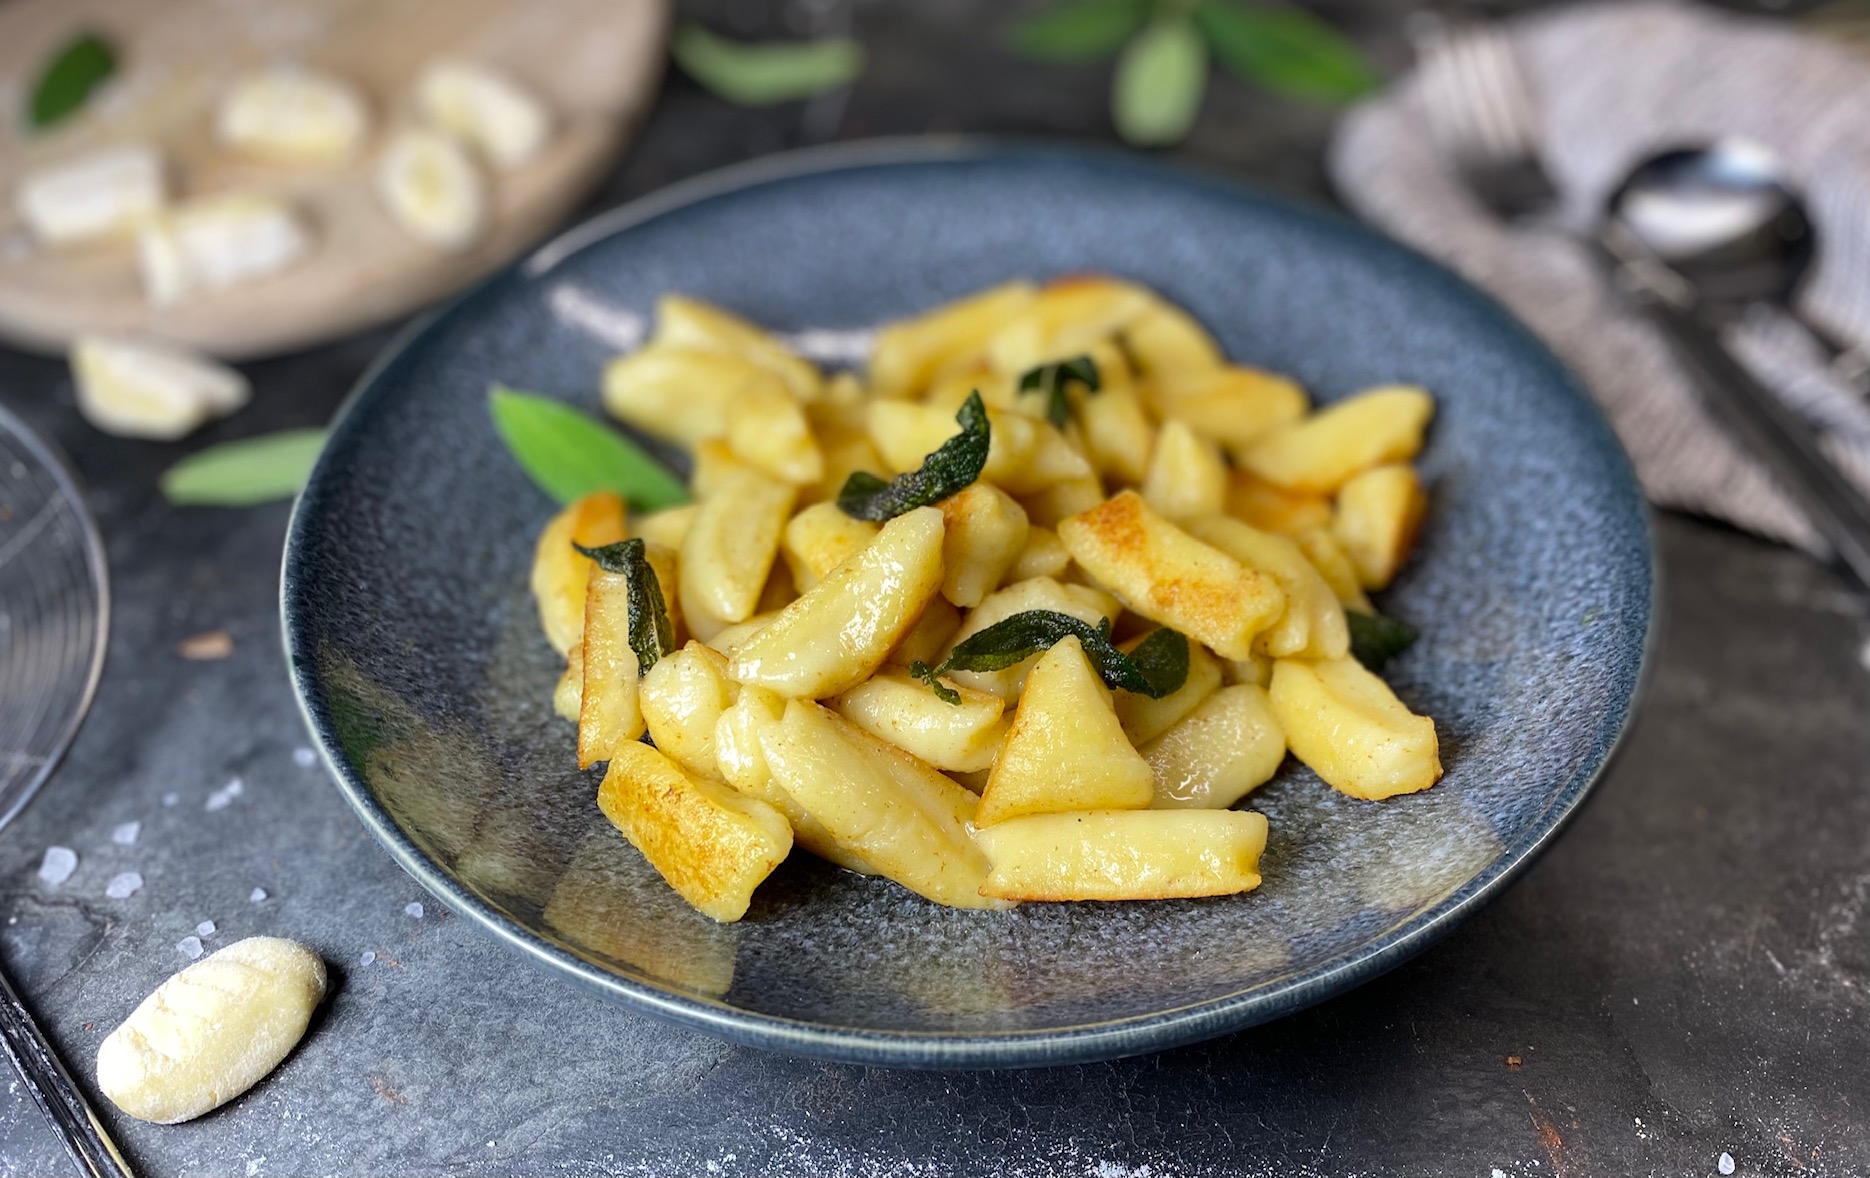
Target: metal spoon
[1698, 236]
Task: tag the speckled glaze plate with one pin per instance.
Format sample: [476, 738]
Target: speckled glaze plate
[416, 651]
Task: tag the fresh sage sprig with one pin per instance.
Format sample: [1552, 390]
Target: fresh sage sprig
[953, 465]
[1163, 46]
[1376, 639]
[652, 635]
[760, 75]
[570, 455]
[246, 472]
[1157, 667]
[78, 68]
[1051, 380]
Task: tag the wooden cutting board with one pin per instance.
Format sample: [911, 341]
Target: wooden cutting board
[597, 63]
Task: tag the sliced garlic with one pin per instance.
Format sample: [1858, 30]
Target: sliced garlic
[217, 241]
[95, 195]
[145, 390]
[212, 1031]
[433, 189]
[294, 116]
[505, 123]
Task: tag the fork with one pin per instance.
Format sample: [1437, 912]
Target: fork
[1481, 113]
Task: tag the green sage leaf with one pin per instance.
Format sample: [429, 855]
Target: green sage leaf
[69, 77]
[240, 474]
[1375, 639]
[921, 670]
[953, 465]
[569, 455]
[760, 75]
[1052, 380]
[1286, 50]
[652, 635]
[1157, 667]
[1160, 79]
[1077, 30]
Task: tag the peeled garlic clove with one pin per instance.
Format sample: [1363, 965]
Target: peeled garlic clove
[293, 116]
[95, 195]
[215, 242]
[432, 188]
[145, 390]
[505, 123]
[212, 1031]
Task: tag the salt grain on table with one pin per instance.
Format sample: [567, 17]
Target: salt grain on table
[1726, 1164]
[256, 895]
[170, 799]
[58, 864]
[369, 957]
[222, 798]
[125, 834]
[124, 886]
[205, 929]
[414, 910]
[190, 947]
[304, 758]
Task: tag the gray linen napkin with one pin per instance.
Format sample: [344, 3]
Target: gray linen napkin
[1615, 83]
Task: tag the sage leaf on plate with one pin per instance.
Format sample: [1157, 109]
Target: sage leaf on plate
[1077, 30]
[763, 74]
[652, 635]
[69, 77]
[252, 470]
[1161, 76]
[953, 465]
[1286, 50]
[1052, 379]
[1157, 667]
[1376, 639]
[571, 455]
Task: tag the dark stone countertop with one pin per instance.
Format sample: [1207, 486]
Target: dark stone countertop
[1686, 974]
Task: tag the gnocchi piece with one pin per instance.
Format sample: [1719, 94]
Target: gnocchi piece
[1068, 318]
[568, 694]
[1379, 514]
[904, 819]
[682, 394]
[845, 454]
[743, 764]
[1168, 576]
[1253, 500]
[1062, 500]
[1234, 406]
[844, 627]
[682, 698]
[1124, 855]
[682, 322]
[560, 572]
[1327, 556]
[1117, 433]
[1350, 729]
[1313, 624]
[730, 548]
[1025, 454]
[731, 638]
[1257, 670]
[1143, 719]
[984, 533]
[712, 844]
[666, 528]
[1322, 452]
[1186, 477]
[909, 354]
[767, 428]
[609, 710]
[925, 640]
[1222, 751]
[1088, 605]
[1045, 556]
[902, 711]
[1170, 346]
[212, 1031]
[1066, 749]
[819, 539]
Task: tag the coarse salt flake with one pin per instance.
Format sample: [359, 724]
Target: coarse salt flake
[171, 798]
[304, 758]
[1726, 1163]
[222, 798]
[125, 834]
[190, 947]
[205, 929]
[369, 957]
[256, 895]
[58, 864]
[124, 886]
[413, 909]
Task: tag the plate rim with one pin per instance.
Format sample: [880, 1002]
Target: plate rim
[1081, 1043]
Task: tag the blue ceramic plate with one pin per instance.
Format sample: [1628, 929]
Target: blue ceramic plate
[417, 654]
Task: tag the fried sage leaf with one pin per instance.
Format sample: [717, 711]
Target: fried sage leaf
[955, 464]
[1375, 639]
[1157, 667]
[69, 77]
[1052, 379]
[652, 635]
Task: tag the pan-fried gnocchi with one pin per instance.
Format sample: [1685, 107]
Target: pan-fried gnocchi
[1020, 612]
